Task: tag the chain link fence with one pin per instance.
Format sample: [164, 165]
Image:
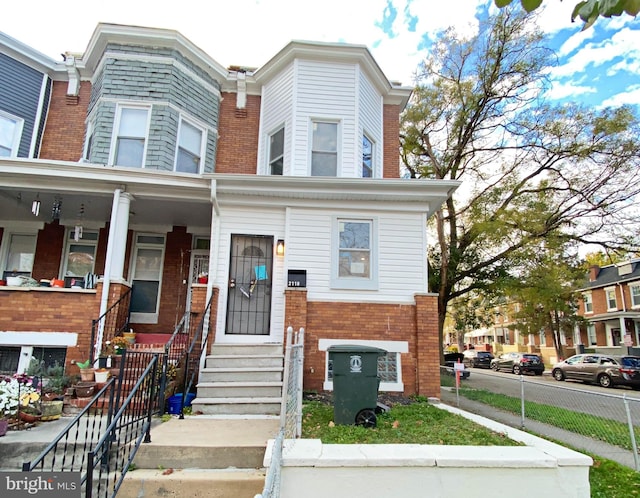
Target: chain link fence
[604, 424]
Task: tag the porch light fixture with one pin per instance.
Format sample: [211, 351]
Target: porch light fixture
[35, 206]
[56, 208]
[280, 247]
[77, 233]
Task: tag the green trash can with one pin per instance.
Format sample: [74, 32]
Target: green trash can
[355, 384]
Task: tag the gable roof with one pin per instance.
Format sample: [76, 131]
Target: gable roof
[627, 271]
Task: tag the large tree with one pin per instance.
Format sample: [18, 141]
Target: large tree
[587, 10]
[528, 169]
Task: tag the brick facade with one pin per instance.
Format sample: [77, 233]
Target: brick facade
[415, 324]
[63, 139]
[238, 142]
[391, 134]
[49, 247]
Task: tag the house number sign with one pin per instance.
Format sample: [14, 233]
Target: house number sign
[297, 278]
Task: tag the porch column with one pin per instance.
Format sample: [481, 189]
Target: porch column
[117, 244]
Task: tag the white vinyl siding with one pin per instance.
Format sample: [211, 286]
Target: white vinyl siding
[325, 92]
[370, 115]
[401, 261]
[276, 112]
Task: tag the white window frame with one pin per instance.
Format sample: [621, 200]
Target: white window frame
[634, 288]
[201, 152]
[592, 337]
[373, 156]
[587, 299]
[116, 134]
[608, 293]
[85, 241]
[17, 133]
[6, 245]
[543, 337]
[397, 347]
[353, 282]
[313, 151]
[138, 317]
[271, 160]
[88, 142]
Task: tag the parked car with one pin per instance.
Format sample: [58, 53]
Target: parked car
[606, 370]
[518, 363]
[477, 359]
[450, 359]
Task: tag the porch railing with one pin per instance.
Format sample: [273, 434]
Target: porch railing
[291, 411]
[112, 322]
[102, 440]
[194, 353]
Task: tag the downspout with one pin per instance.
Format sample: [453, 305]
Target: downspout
[106, 280]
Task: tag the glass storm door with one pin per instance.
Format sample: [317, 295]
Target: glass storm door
[249, 302]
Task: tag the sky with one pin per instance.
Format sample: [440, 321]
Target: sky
[597, 67]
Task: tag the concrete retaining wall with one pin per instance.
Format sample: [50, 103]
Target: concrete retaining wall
[541, 468]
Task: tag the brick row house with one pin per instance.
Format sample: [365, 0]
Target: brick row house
[611, 306]
[275, 192]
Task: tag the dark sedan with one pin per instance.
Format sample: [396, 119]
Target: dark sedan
[518, 363]
[606, 370]
[477, 359]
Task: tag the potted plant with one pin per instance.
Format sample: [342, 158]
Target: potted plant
[86, 371]
[8, 402]
[55, 382]
[120, 343]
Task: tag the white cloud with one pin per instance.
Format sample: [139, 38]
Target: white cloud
[630, 97]
[563, 90]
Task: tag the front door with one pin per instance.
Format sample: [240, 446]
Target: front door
[250, 271]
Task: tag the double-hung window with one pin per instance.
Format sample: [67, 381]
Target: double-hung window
[367, 157]
[80, 255]
[324, 149]
[354, 258]
[276, 152]
[189, 153]
[148, 258]
[610, 294]
[591, 335]
[20, 254]
[132, 126]
[10, 132]
[588, 302]
[634, 290]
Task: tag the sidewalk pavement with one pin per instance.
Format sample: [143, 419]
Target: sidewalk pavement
[575, 441]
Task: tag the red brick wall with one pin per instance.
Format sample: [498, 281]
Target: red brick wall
[57, 311]
[391, 134]
[238, 142]
[368, 321]
[63, 136]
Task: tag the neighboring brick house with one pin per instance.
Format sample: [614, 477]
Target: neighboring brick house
[281, 183]
[611, 305]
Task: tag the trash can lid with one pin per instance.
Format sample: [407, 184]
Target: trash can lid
[355, 348]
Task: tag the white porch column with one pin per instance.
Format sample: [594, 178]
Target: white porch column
[117, 244]
[623, 330]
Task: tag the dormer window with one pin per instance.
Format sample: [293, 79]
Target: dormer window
[189, 153]
[324, 149]
[10, 132]
[367, 157]
[130, 142]
[276, 152]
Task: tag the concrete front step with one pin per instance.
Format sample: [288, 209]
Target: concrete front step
[192, 483]
[243, 361]
[246, 349]
[237, 406]
[241, 374]
[239, 389]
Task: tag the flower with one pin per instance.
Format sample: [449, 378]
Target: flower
[120, 342]
[14, 392]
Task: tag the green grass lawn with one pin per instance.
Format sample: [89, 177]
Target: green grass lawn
[421, 423]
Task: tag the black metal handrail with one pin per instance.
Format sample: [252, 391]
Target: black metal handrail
[113, 455]
[193, 354]
[114, 321]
